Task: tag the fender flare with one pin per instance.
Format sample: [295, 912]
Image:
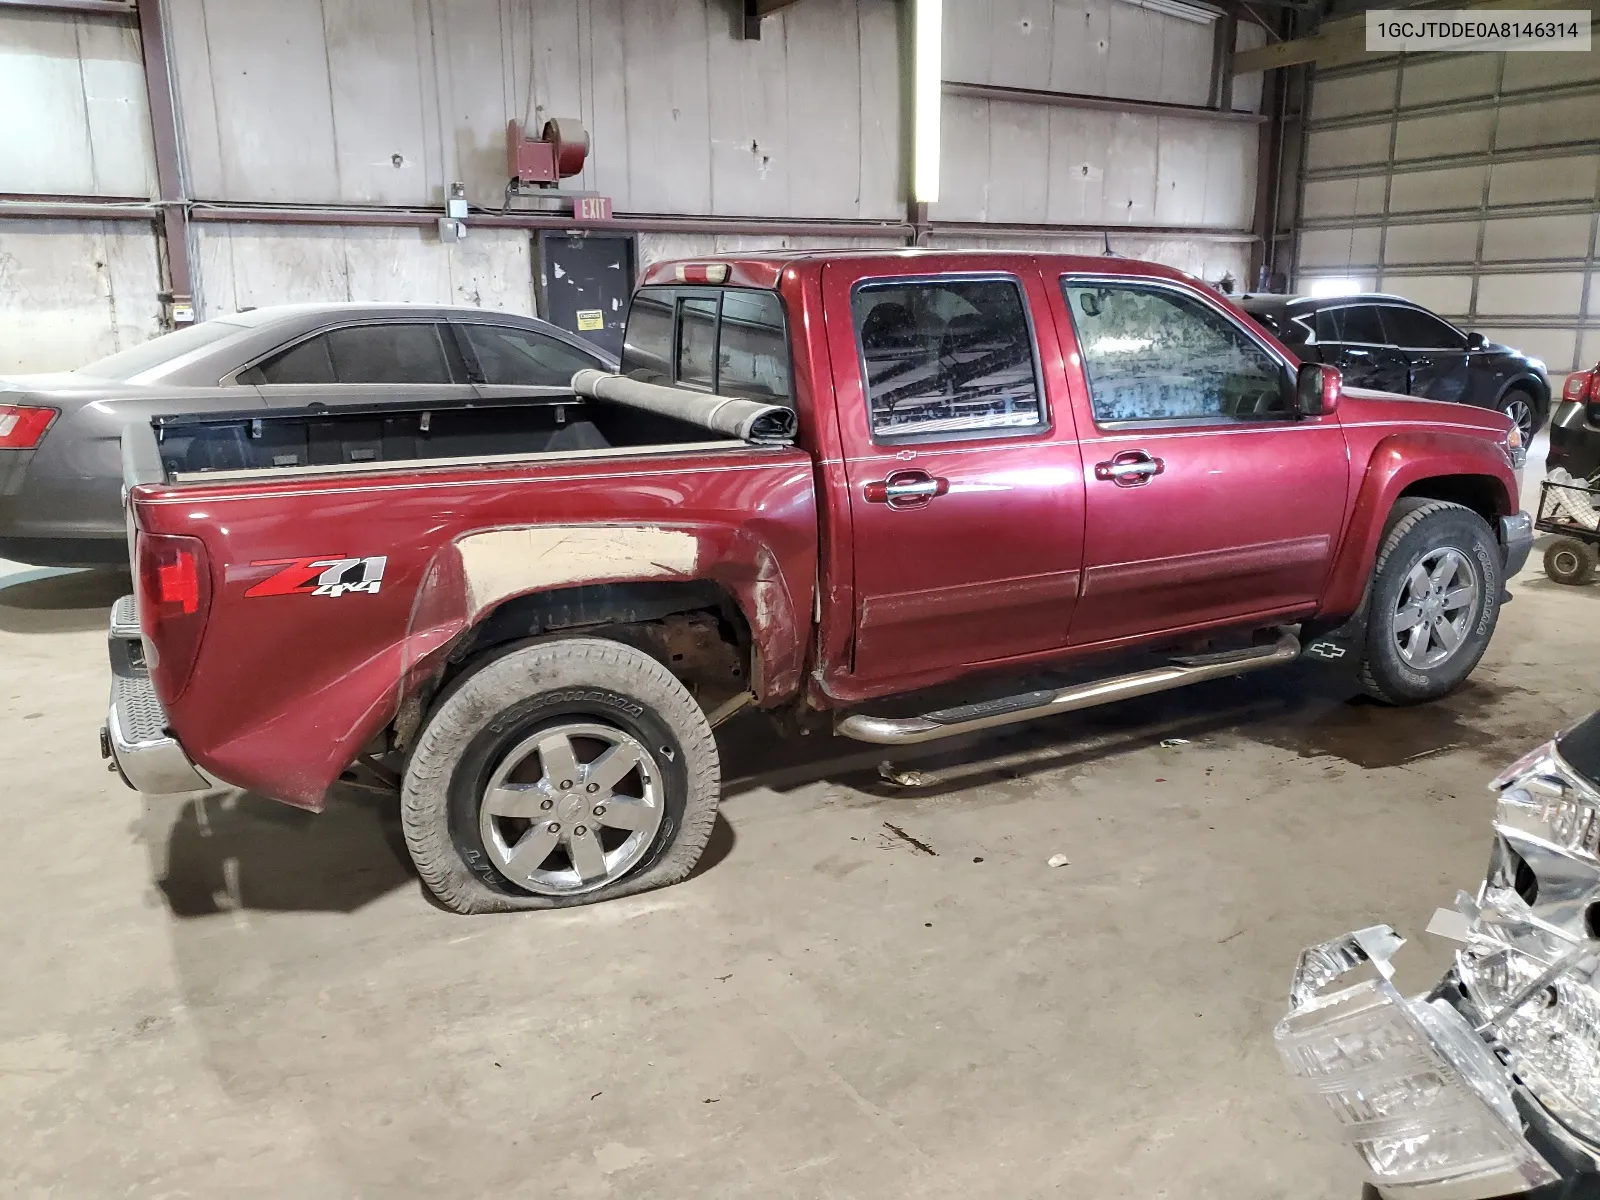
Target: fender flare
[1400, 461]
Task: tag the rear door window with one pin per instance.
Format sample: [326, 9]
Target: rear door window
[307, 362]
[509, 356]
[947, 358]
[1359, 325]
[410, 352]
[1329, 325]
[731, 341]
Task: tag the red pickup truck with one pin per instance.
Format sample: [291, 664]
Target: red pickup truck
[822, 480]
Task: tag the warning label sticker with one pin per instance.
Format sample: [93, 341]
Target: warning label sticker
[590, 318]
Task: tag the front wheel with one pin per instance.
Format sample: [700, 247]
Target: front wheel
[1434, 601]
[566, 772]
[1524, 411]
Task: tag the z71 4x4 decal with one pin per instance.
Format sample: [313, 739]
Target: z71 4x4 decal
[320, 577]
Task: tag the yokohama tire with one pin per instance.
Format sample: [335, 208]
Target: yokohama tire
[589, 680]
[1417, 530]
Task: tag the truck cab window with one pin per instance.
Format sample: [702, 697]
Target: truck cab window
[697, 342]
[1153, 354]
[731, 341]
[947, 358]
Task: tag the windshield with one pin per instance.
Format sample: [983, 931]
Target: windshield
[137, 360]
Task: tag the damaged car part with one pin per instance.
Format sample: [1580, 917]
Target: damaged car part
[1489, 1084]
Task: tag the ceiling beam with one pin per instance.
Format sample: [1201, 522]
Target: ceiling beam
[1336, 43]
[111, 8]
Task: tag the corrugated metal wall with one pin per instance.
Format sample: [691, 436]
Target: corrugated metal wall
[1469, 183]
[1022, 161]
[72, 91]
[386, 101]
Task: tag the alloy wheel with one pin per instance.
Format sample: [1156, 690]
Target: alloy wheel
[571, 808]
[1435, 609]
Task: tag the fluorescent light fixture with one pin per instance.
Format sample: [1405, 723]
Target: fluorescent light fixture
[926, 98]
[1323, 288]
[1200, 14]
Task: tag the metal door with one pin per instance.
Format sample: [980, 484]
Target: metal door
[966, 489]
[585, 283]
[1207, 500]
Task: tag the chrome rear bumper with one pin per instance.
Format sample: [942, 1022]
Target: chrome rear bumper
[135, 736]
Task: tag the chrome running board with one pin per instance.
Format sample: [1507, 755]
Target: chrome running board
[1030, 706]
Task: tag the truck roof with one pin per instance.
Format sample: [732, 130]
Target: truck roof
[763, 270]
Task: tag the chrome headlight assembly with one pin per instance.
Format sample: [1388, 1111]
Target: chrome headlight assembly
[1406, 1083]
[1531, 964]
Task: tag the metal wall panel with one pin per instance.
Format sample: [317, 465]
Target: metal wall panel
[1421, 191]
[1533, 181]
[1006, 160]
[1351, 95]
[387, 101]
[76, 119]
[1543, 293]
[1475, 194]
[1092, 47]
[248, 265]
[1350, 196]
[1449, 295]
[74, 291]
[1445, 79]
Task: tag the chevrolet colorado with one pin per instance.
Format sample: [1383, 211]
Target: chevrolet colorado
[822, 481]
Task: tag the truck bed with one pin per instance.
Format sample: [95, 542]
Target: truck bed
[397, 433]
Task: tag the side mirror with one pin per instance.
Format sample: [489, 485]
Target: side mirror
[1476, 341]
[1317, 390]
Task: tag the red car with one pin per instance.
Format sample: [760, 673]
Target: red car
[824, 480]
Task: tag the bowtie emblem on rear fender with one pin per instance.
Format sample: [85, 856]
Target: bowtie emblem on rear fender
[320, 576]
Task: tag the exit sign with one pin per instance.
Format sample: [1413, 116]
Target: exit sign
[594, 208]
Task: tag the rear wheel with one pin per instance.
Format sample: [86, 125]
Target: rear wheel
[563, 773]
[1567, 560]
[1435, 599]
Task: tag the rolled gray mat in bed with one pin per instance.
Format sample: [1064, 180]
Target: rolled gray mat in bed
[748, 419]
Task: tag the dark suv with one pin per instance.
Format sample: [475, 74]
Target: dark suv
[1393, 345]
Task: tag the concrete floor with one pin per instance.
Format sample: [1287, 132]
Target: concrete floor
[235, 998]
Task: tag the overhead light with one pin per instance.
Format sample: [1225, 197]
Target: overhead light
[1200, 14]
[1323, 288]
[926, 98]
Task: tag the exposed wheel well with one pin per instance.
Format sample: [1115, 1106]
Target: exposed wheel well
[693, 628]
[1483, 494]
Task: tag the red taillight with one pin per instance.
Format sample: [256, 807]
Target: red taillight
[21, 426]
[174, 598]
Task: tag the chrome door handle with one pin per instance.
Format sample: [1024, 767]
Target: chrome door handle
[1130, 469]
[906, 489]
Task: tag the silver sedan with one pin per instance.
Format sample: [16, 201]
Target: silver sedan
[60, 462]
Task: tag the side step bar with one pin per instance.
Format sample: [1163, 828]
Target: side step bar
[988, 714]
